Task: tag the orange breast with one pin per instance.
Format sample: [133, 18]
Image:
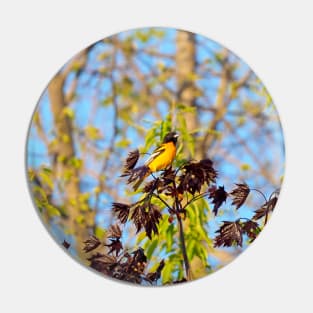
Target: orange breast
[166, 158]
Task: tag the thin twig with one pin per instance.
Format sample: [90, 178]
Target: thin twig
[260, 192]
[199, 196]
[183, 247]
[163, 201]
[266, 218]
[178, 209]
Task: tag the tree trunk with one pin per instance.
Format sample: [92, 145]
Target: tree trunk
[186, 66]
[221, 103]
[63, 165]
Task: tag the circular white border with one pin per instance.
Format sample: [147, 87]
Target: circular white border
[274, 39]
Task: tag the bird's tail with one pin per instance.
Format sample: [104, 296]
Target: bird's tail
[138, 175]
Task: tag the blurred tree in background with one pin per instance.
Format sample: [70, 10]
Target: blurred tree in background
[125, 92]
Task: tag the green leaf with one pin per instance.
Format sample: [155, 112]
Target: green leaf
[123, 143]
[158, 33]
[186, 108]
[80, 219]
[203, 206]
[191, 249]
[92, 132]
[46, 178]
[167, 272]
[169, 238]
[193, 76]
[180, 273]
[166, 126]
[191, 214]
[76, 162]
[187, 138]
[201, 252]
[151, 248]
[40, 193]
[52, 210]
[107, 101]
[204, 235]
[102, 56]
[143, 36]
[141, 237]
[100, 232]
[69, 112]
[150, 138]
[47, 170]
[245, 167]
[197, 221]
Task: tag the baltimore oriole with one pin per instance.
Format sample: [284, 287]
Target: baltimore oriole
[160, 159]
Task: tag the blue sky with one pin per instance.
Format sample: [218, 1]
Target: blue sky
[268, 150]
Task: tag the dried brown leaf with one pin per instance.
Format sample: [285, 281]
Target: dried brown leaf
[251, 228]
[239, 195]
[229, 234]
[91, 243]
[265, 209]
[130, 162]
[122, 211]
[115, 246]
[219, 195]
[114, 232]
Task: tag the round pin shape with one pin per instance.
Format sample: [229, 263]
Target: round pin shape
[155, 156]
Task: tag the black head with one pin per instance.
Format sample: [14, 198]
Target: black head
[171, 137]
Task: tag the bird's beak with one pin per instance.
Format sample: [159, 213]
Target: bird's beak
[176, 135]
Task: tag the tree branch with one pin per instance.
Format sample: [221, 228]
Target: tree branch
[183, 247]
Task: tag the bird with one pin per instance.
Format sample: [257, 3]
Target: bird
[160, 159]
